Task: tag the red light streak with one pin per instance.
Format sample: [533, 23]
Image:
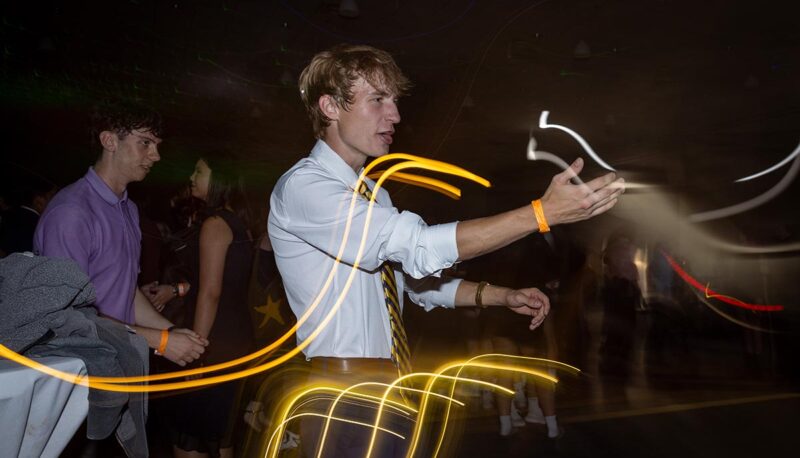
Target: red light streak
[712, 294]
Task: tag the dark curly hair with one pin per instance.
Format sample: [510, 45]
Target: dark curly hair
[122, 118]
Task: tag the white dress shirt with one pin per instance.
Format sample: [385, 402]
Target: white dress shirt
[308, 213]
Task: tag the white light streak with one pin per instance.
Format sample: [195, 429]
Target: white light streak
[543, 125]
[752, 203]
[774, 167]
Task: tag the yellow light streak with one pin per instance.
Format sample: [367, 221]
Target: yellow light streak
[399, 406]
[423, 182]
[131, 384]
[712, 295]
[293, 406]
[382, 400]
[297, 402]
[730, 318]
[472, 363]
[274, 435]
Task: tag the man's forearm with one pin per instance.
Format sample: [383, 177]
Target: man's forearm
[479, 236]
[146, 315]
[563, 202]
[152, 336]
[490, 296]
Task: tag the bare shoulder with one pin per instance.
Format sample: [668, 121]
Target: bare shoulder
[215, 228]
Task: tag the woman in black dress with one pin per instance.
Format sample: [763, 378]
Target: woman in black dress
[202, 420]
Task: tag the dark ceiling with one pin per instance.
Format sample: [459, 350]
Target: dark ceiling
[685, 95]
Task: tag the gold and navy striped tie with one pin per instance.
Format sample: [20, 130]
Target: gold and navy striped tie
[401, 355]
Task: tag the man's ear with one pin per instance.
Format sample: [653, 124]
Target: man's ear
[108, 140]
[329, 106]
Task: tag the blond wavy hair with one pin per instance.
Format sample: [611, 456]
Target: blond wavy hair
[335, 71]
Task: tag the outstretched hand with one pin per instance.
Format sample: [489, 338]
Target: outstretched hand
[531, 302]
[568, 202]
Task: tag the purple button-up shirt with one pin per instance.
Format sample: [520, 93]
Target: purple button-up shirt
[89, 224]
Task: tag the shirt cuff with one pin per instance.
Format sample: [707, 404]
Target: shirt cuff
[442, 240]
[434, 292]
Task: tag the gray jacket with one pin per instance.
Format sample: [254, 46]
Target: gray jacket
[45, 310]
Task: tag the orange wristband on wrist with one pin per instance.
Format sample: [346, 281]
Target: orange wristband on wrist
[162, 346]
[539, 213]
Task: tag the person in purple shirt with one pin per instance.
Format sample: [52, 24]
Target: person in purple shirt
[93, 222]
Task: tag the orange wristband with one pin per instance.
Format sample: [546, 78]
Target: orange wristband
[162, 346]
[539, 213]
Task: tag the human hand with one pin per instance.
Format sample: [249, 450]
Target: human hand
[193, 335]
[530, 302]
[184, 347]
[158, 295]
[567, 202]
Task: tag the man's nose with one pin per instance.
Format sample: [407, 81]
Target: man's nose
[154, 156]
[393, 113]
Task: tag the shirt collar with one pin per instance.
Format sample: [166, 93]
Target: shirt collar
[101, 188]
[328, 158]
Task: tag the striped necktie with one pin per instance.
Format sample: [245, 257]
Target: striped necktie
[401, 355]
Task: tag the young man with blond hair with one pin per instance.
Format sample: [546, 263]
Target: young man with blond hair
[350, 93]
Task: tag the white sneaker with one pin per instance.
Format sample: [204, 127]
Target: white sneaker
[557, 435]
[516, 418]
[535, 414]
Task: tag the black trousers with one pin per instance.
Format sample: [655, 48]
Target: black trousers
[344, 439]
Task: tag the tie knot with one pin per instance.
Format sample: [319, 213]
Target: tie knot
[364, 190]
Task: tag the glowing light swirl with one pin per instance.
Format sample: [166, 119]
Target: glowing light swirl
[730, 318]
[750, 204]
[534, 155]
[132, 384]
[774, 167]
[709, 293]
[423, 182]
[543, 125]
[291, 406]
[426, 394]
[381, 401]
[472, 363]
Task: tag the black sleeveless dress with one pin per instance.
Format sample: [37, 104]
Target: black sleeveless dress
[201, 420]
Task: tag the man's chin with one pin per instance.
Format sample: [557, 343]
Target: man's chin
[381, 152]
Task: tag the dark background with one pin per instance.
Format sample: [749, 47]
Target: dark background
[688, 95]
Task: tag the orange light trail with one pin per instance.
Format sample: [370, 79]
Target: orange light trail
[423, 182]
[471, 363]
[294, 403]
[134, 384]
